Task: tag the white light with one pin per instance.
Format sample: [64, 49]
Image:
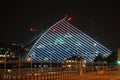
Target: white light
[84, 61]
[69, 66]
[1, 55]
[96, 52]
[40, 46]
[94, 44]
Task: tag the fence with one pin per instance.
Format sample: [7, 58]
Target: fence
[37, 74]
[51, 73]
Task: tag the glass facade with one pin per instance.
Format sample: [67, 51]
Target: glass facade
[62, 40]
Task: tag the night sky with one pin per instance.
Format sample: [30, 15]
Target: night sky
[98, 19]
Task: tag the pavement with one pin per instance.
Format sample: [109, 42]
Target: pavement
[107, 75]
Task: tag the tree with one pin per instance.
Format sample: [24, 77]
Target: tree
[75, 57]
[112, 58]
[99, 58]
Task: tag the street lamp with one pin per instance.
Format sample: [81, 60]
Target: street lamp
[29, 59]
[31, 65]
[50, 60]
[5, 63]
[19, 62]
[51, 52]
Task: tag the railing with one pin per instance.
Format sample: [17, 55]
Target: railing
[51, 73]
[37, 74]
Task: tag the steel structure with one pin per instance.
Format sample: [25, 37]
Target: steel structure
[62, 40]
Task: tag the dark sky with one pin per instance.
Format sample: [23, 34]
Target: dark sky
[98, 19]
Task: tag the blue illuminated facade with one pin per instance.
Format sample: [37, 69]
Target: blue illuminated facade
[62, 40]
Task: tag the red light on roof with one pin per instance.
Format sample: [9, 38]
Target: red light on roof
[31, 29]
[69, 18]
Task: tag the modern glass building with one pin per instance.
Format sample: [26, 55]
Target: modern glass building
[62, 40]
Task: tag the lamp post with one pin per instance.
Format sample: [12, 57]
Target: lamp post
[31, 65]
[92, 63]
[40, 65]
[92, 66]
[19, 62]
[76, 55]
[50, 62]
[5, 63]
[51, 52]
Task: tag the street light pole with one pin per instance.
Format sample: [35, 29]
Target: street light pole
[19, 63]
[31, 65]
[50, 64]
[51, 52]
[5, 63]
